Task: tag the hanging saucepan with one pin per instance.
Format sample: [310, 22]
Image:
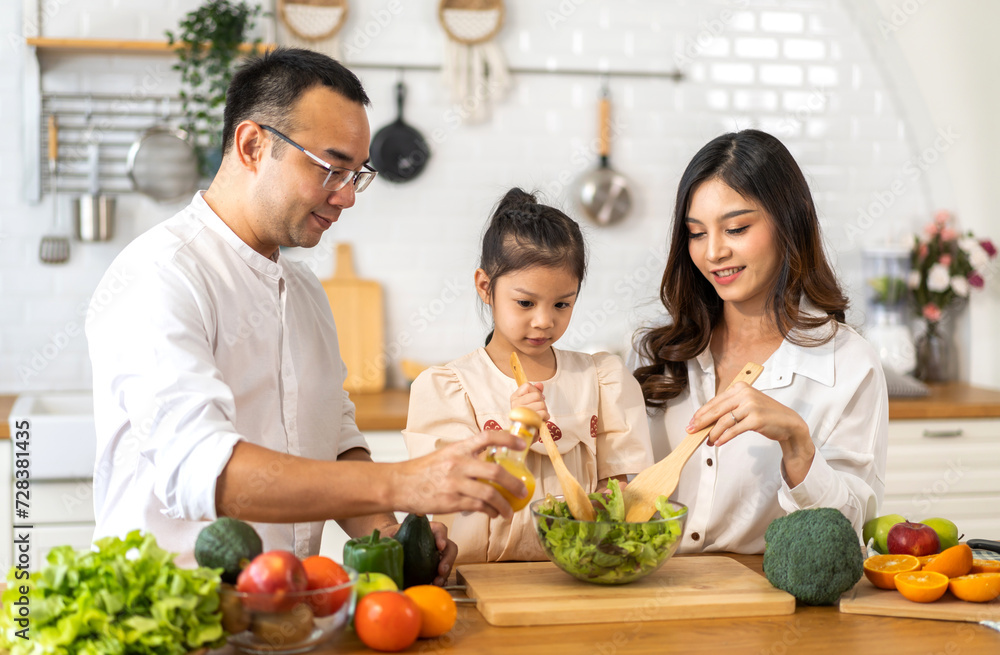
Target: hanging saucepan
[604, 195]
[398, 151]
[163, 164]
[94, 211]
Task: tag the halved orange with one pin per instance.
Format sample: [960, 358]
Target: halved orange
[882, 569]
[976, 587]
[925, 559]
[922, 586]
[985, 566]
[952, 562]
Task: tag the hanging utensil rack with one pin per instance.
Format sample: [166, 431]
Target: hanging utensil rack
[115, 122]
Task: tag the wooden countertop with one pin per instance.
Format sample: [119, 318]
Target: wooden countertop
[949, 400]
[6, 402]
[381, 411]
[387, 410]
[814, 630]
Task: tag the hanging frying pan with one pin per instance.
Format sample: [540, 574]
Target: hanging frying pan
[398, 151]
[604, 194]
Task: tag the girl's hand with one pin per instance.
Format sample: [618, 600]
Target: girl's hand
[530, 395]
[602, 484]
[744, 409]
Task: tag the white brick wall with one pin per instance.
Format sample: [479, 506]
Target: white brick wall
[796, 68]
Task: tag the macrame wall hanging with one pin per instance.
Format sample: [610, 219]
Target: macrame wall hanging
[474, 66]
[313, 24]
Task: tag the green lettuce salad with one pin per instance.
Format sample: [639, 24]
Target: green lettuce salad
[608, 550]
[128, 596]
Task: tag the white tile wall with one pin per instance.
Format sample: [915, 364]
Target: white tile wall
[798, 68]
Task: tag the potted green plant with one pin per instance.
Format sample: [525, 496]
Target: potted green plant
[209, 42]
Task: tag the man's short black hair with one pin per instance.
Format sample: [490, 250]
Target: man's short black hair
[266, 87]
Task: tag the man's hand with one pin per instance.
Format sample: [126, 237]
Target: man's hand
[453, 479]
[445, 546]
[530, 395]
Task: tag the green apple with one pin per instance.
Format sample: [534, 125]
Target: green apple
[946, 530]
[878, 528]
[373, 581]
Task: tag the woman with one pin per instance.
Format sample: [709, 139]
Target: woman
[747, 280]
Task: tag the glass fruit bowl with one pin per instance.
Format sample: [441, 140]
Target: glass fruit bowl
[607, 552]
[289, 622]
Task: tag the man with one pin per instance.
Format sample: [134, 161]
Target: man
[218, 384]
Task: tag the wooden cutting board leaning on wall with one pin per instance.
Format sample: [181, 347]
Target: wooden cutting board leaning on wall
[358, 313]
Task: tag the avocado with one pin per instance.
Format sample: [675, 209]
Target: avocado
[228, 544]
[420, 553]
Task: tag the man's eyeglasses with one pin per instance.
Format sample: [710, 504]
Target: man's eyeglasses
[336, 176]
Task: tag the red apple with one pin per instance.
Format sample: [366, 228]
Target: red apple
[272, 576]
[914, 539]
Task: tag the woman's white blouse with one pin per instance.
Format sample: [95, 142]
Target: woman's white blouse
[734, 491]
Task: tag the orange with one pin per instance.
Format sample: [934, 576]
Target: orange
[437, 609]
[976, 588]
[922, 586]
[985, 566]
[952, 562]
[882, 569]
[925, 559]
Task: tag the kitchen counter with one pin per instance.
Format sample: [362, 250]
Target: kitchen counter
[387, 410]
[814, 630]
[375, 411]
[948, 400]
[6, 402]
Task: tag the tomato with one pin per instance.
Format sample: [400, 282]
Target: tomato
[387, 620]
[322, 572]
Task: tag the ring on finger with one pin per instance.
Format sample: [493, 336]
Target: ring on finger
[735, 420]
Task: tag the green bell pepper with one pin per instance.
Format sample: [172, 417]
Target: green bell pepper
[374, 555]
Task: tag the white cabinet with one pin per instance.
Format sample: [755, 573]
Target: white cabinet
[386, 447]
[948, 468]
[6, 507]
[59, 513]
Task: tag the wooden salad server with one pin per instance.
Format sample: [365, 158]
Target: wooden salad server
[662, 478]
[576, 498]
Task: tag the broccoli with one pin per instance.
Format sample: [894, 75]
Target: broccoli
[813, 554]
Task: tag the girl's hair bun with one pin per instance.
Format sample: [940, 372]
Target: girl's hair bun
[523, 233]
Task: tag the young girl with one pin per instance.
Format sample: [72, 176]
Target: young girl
[532, 265]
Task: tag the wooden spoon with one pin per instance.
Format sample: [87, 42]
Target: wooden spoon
[576, 498]
[662, 478]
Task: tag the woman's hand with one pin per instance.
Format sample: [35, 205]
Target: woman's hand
[530, 395]
[743, 409]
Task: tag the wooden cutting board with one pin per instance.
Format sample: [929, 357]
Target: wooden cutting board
[538, 593]
[865, 598]
[358, 313]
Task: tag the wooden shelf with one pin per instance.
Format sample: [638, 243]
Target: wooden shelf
[103, 46]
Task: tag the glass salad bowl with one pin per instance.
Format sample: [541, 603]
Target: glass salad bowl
[605, 551]
[289, 622]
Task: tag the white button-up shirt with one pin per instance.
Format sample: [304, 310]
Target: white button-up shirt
[198, 342]
[734, 491]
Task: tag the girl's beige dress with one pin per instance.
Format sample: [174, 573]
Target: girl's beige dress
[597, 419]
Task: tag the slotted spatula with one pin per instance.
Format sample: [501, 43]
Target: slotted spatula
[661, 479]
[576, 498]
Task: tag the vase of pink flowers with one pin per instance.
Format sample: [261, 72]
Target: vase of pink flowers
[945, 267]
